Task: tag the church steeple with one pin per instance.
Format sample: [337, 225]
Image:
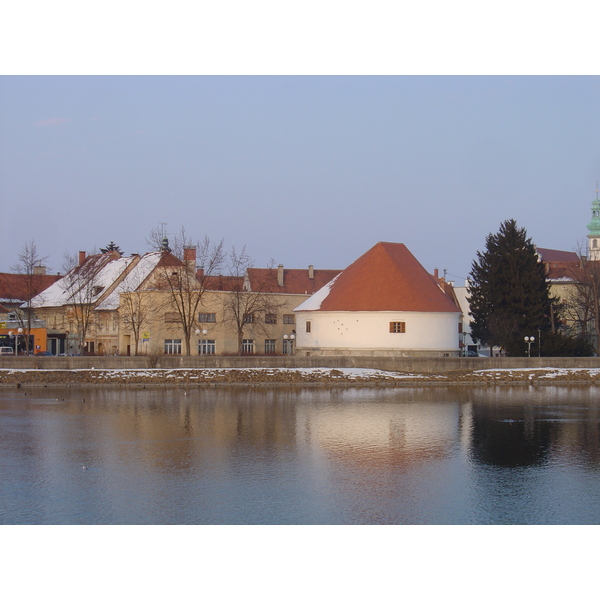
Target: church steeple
[594, 230]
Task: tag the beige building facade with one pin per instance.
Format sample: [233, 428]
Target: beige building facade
[215, 331]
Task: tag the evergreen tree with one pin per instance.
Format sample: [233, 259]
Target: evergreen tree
[509, 294]
[111, 248]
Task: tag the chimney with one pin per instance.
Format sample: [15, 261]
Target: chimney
[200, 273]
[81, 257]
[436, 273]
[311, 272]
[280, 275]
[39, 270]
[189, 258]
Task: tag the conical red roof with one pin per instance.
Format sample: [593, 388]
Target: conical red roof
[386, 278]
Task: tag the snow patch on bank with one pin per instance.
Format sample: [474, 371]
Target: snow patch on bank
[341, 373]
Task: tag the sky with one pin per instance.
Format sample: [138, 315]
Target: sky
[300, 169]
[305, 135]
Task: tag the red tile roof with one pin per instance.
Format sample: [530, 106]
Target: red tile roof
[557, 255]
[222, 283]
[295, 281]
[169, 260]
[15, 286]
[559, 263]
[387, 278]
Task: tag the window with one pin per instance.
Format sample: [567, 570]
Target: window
[289, 319]
[171, 317]
[207, 318]
[288, 346]
[207, 347]
[397, 327]
[271, 319]
[247, 346]
[308, 326]
[172, 346]
[270, 346]
[249, 319]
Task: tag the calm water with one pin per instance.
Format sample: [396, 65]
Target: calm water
[285, 456]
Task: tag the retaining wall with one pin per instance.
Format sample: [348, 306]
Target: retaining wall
[386, 363]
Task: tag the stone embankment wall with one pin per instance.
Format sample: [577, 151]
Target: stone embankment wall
[385, 363]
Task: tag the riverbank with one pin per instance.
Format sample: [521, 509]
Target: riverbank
[295, 376]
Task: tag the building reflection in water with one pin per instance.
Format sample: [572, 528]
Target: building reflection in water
[376, 455]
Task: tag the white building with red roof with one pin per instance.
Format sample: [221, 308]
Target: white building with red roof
[385, 303]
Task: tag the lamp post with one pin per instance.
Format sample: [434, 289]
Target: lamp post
[16, 336]
[529, 340]
[290, 346]
[202, 348]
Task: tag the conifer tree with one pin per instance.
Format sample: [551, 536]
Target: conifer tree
[111, 248]
[509, 294]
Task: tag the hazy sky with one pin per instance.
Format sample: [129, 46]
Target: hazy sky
[303, 170]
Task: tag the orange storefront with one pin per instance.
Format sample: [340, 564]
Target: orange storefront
[10, 335]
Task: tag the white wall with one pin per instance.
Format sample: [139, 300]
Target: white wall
[371, 330]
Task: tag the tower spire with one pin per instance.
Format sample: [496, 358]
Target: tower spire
[594, 230]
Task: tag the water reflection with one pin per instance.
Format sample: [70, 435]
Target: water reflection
[251, 455]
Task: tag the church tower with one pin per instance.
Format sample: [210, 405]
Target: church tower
[594, 230]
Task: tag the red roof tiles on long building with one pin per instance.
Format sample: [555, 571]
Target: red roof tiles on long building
[24, 287]
[295, 281]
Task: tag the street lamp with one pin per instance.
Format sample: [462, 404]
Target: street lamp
[529, 340]
[290, 346]
[202, 348]
[16, 336]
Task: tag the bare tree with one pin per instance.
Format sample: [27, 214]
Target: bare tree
[582, 306]
[136, 309]
[247, 309]
[159, 241]
[185, 284]
[84, 288]
[30, 265]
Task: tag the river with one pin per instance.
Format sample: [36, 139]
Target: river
[218, 455]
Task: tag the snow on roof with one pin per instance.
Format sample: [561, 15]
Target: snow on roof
[314, 302]
[110, 273]
[56, 295]
[131, 281]
[104, 270]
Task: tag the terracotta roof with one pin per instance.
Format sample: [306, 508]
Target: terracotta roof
[552, 256]
[561, 272]
[15, 286]
[386, 278]
[222, 283]
[447, 288]
[295, 281]
[169, 260]
[559, 263]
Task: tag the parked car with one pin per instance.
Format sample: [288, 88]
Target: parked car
[5, 350]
